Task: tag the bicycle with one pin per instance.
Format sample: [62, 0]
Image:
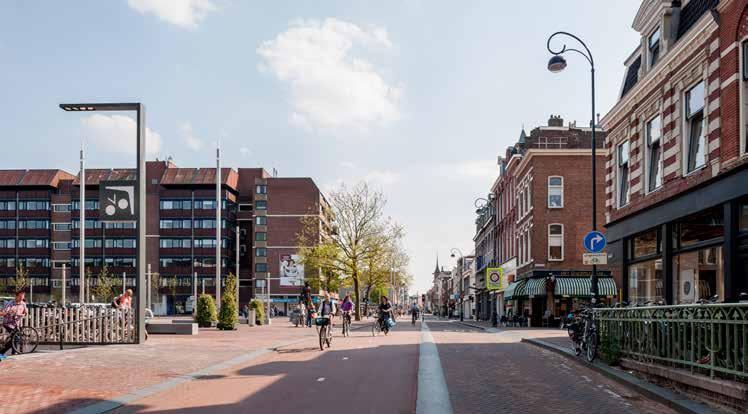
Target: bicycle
[23, 340]
[346, 324]
[376, 328]
[325, 332]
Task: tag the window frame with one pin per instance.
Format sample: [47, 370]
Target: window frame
[551, 186]
[648, 155]
[619, 178]
[650, 60]
[262, 219]
[561, 236]
[688, 128]
[743, 96]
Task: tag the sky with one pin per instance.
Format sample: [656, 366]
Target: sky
[416, 97]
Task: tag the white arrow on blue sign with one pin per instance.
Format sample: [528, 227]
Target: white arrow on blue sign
[594, 242]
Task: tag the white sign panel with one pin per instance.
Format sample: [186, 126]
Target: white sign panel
[291, 271]
[595, 258]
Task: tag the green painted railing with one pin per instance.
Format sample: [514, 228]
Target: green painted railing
[709, 339]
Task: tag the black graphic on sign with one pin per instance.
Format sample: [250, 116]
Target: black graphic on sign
[117, 201]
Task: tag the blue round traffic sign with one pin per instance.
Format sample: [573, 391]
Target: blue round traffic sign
[594, 242]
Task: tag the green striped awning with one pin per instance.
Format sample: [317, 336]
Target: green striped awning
[580, 286]
[515, 289]
[536, 287]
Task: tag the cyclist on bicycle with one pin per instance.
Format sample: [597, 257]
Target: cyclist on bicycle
[12, 313]
[326, 309]
[385, 313]
[414, 310]
[346, 307]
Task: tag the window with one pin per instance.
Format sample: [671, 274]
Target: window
[645, 244]
[33, 205]
[555, 192]
[61, 245]
[61, 208]
[744, 216]
[119, 243]
[556, 242]
[261, 221]
[90, 205]
[177, 223]
[176, 204]
[700, 227]
[623, 173]
[89, 243]
[245, 207]
[205, 204]
[61, 226]
[261, 205]
[261, 252]
[7, 224]
[646, 282]
[698, 275]
[654, 154]
[695, 134]
[261, 189]
[7, 243]
[33, 224]
[261, 236]
[7, 205]
[120, 225]
[654, 47]
[261, 267]
[90, 224]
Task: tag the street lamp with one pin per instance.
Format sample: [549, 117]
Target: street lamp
[462, 292]
[557, 63]
[139, 110]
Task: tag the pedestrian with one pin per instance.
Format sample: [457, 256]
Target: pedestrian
[123, 301]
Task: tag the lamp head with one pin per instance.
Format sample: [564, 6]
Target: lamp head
[556, 64]
[452, 255]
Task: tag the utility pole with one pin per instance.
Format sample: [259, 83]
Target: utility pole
[237, 267]
[218, 225]
[63, 283]
[82, 231]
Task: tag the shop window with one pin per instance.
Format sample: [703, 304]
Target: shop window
[698, 275]
[701, 227]
[623, 173]
[654, 47]
[644, 244]
[646, 283]
[555, 192]
[695, 134]
[744, 216]
[654, 154]
[556, 242]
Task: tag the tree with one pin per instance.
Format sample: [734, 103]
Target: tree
[206, 311]
[361, 234]
[20, 282]
[228, 317]
[103, 291]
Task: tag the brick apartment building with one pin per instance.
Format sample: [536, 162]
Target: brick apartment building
[677, 166]
[533, 227]
[40, 229]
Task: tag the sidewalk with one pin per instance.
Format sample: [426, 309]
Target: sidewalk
[75, 378]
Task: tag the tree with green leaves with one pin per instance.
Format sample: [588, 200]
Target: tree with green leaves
[19, 282]
[103, 291]
[228, 316]
[361, 234]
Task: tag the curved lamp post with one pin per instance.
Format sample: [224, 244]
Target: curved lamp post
[557, 63]
[462, 292]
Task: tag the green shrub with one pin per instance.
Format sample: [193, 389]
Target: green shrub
[206, 310]
[610, 349]
[228, 317]
[259, 308]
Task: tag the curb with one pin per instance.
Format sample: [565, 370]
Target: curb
[489, 329]
[662, 395]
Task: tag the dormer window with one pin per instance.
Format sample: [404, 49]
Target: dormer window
[654, 47]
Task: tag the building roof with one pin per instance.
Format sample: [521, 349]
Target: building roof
[36, 178]
[96, 175]
[198, 176]
[692, 12]
[632, 75]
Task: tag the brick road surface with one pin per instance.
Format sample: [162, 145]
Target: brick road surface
[485, 373]
[495, 373]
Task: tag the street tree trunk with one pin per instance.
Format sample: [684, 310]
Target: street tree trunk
[358, 295]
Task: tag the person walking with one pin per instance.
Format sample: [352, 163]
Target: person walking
[12, 313]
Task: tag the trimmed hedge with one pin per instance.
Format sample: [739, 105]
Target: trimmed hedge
[206, 311]
[259, 308]
[228, 318]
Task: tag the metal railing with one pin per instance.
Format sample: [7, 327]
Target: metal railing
[83, 325]
[707, 339]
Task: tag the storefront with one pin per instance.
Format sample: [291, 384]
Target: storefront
[692, 248]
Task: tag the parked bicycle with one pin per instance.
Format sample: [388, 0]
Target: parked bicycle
[582, 330]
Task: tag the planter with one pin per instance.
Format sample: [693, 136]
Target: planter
[251, 318]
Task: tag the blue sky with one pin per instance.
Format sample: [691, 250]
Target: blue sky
[417, 97]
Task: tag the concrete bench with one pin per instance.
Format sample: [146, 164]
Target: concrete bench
[172, 328]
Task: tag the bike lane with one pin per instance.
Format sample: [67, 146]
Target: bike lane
[496, 373]
[369, 374]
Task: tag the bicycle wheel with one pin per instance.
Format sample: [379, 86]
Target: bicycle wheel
[328, 338]
[25, 340]
[591, 347]
[374, 329]
[322, 335]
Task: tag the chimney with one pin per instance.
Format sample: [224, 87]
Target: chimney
[556, 121]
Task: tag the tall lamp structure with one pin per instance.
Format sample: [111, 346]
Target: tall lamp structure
[140, 199]
[556, 64]
[462, 290]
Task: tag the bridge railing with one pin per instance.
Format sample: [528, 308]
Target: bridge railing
[708, 339]
[83, 325]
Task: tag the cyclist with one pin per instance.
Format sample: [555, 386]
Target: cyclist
[326, 309]
[12, 313]
[385, 313]
[346, 307]
[414, 310]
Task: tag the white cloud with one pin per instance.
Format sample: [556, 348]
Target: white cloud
[382, 176]
[117, 133]
[194, 143]
[348, 164]
[481, 168]
[245, 151]
[332, 88]
[182, 13]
